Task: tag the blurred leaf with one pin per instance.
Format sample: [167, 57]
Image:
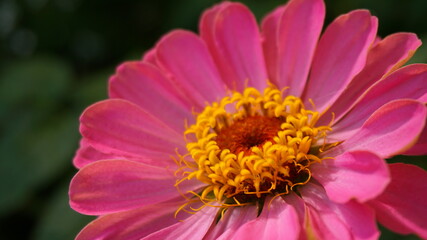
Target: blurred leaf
[51, 147]
[92, 88]
[35, 157]
[37, 83]
[15, 180]
[35, 142]
[59, 221]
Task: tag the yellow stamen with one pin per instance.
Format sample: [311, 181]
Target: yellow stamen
[251, 145]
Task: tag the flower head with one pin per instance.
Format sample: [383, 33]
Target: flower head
[238, 133]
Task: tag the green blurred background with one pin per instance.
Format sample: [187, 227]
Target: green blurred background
[55, 60]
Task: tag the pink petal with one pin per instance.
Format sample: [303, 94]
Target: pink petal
[87, 154]
[340, 55]
[133, 224]
[360, 175]
[295, 48]
[329, 220]
[377, 40]
[299, 205]
[390, 130]
[185, 56]
[277, 219]
[110, 186]
[385, 57]
[194, 227]
[150, 57]
[119, 127]
[403, 205]
[231, 33]
[231, 221]
[408, 82]
[146, 86]
[269, 32]
[325, 225]
[207, 21]
[420, 148]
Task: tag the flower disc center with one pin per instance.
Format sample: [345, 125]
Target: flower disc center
[249, 132]
[251, 145]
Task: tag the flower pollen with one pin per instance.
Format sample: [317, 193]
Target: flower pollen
[249, 132]
[251, 145]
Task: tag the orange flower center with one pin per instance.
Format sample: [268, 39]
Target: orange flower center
[252, 145]
[249, 132]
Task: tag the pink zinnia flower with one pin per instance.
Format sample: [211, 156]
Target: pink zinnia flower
[273, 134]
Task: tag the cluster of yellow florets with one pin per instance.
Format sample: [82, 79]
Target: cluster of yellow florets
[249, 145]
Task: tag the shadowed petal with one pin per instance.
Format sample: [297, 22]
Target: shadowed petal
[277, 219]
[150, 57]
[133, 224]
[408, 82]
[298, 204]
[360, 175]
[386, 56]
[87, 154]
[403, 205]
[119, 127]
[185, 56]
[194, 227]
[340, 55]
[231, 33]
[420, 148]
[329, 220]
[117, 185]
[390, 130]
[146, 86]
[269, 30]
[325, 225]
[295, 48]
[232, 220]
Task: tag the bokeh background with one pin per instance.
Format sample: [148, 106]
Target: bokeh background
[55, 60]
